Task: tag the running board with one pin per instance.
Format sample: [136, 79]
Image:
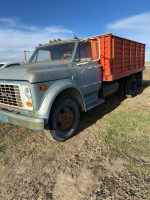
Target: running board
[94, 103]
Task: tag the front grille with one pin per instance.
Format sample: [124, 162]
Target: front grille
[10, 95]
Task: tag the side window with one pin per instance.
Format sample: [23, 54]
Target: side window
[83, 52]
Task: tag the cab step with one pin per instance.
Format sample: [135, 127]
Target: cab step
[94, 103]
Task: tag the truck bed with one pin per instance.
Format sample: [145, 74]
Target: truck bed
[120, 57]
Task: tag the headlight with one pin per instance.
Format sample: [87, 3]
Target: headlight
[27, 93]
[26, 97]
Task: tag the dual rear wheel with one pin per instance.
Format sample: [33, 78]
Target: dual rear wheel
[128, 86]
[131, 86]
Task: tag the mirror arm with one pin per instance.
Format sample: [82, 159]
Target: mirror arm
[85, 67]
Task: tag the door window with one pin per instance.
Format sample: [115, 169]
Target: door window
[84, 52]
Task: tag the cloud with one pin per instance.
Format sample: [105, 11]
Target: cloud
[15, 23]
[135, 22]
[8, 22]
[16, 37]
[136, 28]
[55, 29]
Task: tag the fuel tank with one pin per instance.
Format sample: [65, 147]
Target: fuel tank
[108, 88]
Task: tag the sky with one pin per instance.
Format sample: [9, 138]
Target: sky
[25, 24]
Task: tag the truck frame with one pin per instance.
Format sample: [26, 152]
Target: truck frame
[63, 78]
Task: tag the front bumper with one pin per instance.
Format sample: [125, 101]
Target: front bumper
[22, 120]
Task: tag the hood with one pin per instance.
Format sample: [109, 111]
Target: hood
[35, 73]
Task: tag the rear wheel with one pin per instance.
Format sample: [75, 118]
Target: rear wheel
[139, 79]
[131, 86]
[121, 89]
[63, 120]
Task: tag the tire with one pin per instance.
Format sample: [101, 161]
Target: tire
[121, 89]
[63, 120]
[131, 86]
[139, 79]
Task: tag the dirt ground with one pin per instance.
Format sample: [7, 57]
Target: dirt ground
[77, 169]
[34, 168]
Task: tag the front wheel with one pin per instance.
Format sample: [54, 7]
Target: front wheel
[63, 119]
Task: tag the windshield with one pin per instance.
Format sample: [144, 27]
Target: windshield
[61, 51]
[1, 65]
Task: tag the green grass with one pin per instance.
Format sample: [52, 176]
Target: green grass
[12, 140]
[3, 162]
[128, 138]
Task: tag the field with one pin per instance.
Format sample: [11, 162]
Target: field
[109, 158]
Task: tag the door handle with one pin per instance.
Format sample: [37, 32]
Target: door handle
[82, 63]
[97, 66]
[90, 67]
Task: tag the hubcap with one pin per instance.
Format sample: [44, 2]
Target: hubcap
[65, 118]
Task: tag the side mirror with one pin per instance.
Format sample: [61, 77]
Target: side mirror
[95, 49]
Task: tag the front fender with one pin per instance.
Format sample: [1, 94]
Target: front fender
[51, 96]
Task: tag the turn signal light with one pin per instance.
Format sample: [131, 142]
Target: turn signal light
[42, 87]
[29, 104]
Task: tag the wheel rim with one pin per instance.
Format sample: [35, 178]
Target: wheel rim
[65, 118]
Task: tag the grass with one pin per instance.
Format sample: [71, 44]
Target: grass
[3, 162]
[128, 134]
[146, 74]
[12, 140]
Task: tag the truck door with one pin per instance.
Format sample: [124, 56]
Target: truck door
[89, 76]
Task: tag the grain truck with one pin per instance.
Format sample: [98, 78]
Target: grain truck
[63, 78]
